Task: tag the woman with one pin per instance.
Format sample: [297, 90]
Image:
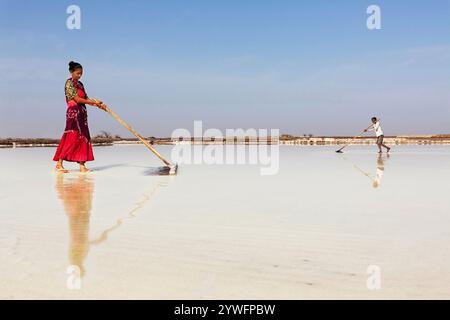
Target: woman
[75, 144]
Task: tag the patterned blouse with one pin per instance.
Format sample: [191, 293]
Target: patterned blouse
[73, 88]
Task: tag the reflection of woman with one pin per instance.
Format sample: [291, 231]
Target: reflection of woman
[75, 144]
[76, 195]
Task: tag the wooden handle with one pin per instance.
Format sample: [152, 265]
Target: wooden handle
[145, 142]
[360, 135]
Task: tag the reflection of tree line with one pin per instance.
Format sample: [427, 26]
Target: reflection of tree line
[76, 195]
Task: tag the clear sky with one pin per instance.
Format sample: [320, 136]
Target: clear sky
[299, 66]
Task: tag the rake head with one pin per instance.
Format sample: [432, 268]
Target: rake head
[169, 170]
[173, 169]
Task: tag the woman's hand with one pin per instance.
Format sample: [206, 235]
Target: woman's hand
[99, 104]
[103, 106]
[94, 102]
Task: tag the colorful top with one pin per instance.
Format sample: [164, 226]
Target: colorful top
[75, 144]
[74, 88]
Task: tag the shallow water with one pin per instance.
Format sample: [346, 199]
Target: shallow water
[225, 231]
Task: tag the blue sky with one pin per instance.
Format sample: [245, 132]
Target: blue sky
[300, 66]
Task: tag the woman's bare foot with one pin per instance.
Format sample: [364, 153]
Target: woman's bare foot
[59, 168]
[83, 169]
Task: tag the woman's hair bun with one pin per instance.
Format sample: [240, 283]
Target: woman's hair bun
[74, 65]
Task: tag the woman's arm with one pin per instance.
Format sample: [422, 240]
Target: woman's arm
[93, 102]
[72, 94]
[86, 101]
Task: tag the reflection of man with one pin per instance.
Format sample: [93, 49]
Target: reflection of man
[380, 171]
[76, 194]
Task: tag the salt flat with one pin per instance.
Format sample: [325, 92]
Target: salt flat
[313, 230]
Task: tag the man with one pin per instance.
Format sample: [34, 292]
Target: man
[379, 133]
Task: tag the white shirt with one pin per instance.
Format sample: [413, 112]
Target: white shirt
[377, 129]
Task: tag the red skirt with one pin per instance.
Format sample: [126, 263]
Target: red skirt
[75, 144]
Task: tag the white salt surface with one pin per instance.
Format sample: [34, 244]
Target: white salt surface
[224, 231]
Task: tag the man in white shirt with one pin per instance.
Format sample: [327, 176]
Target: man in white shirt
[376, 126]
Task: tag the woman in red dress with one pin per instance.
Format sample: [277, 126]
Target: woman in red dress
[75, 144]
